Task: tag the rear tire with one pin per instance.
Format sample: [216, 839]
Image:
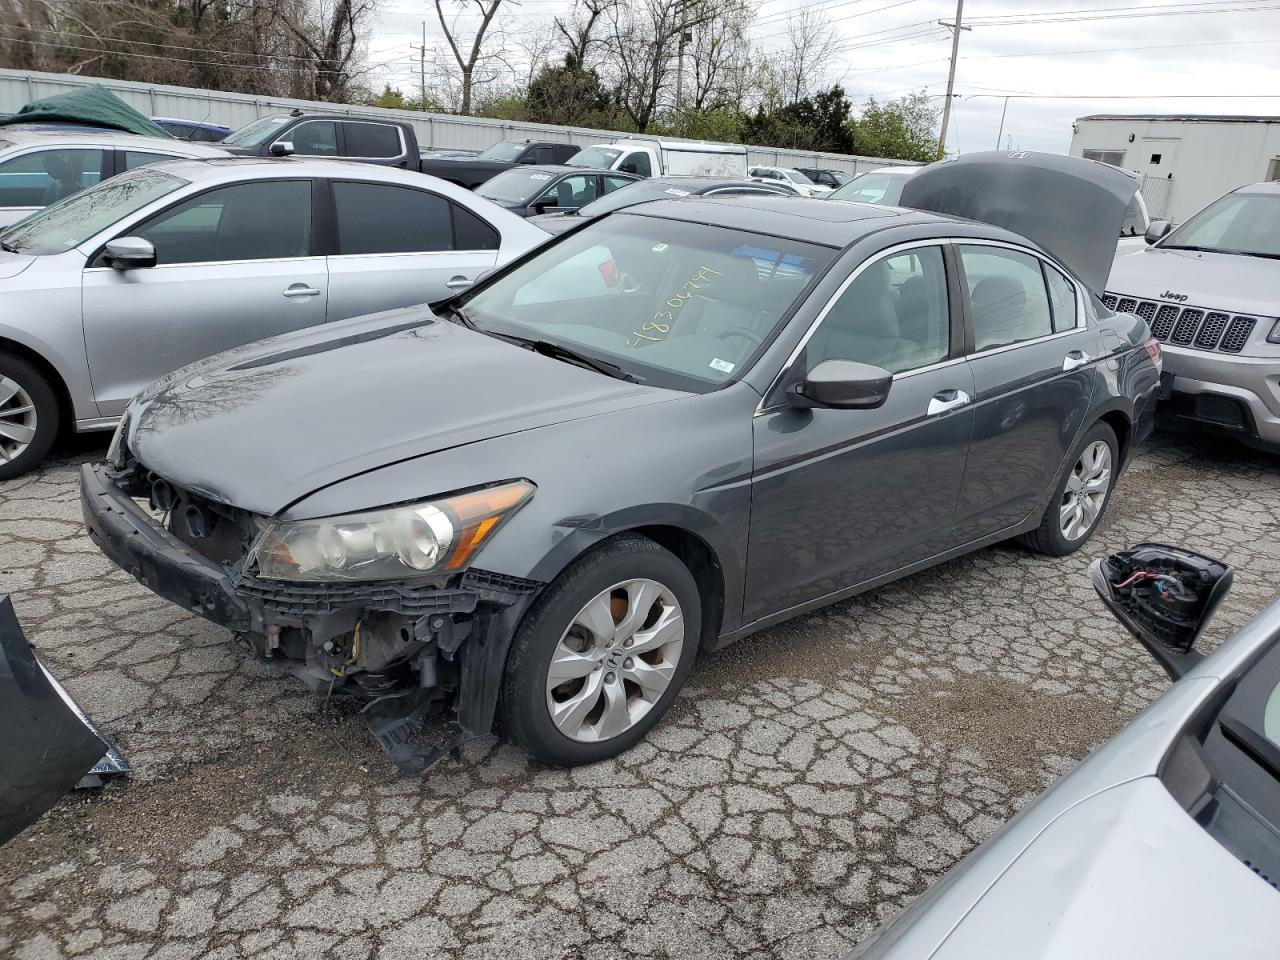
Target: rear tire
[620, 628]
[1082, 496]
[29, 416]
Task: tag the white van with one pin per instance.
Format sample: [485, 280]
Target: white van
[659, 158]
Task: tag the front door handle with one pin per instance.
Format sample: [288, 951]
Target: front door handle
[945, 400]
[298, 291]
[458, 283]
[1074, 359]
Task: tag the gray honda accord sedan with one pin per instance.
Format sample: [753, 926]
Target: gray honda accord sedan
[532, 505]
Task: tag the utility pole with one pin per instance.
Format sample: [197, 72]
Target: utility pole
[955, 29]
[422, 70]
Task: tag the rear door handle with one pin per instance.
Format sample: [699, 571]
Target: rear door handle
[945, 400]
[458, 283]
[1074, 359]
[297, 291]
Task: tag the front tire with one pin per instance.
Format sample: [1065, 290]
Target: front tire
[28, 417]
[603, 653]
[1082, 495]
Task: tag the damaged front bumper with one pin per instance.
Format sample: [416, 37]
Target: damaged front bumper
[407, 650]
[49, 746]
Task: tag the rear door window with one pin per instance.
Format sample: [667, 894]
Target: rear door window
[1062, 299]
[379, 218]
[378, 141]
[472, 233]
[1007, 296]
[42, 177]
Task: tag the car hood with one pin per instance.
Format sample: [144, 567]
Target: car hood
[262, 426]
[1099, 882]
[12, 264]
[1217, 281]
[1071, 207]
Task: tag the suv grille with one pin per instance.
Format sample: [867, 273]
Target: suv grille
[1187, 326]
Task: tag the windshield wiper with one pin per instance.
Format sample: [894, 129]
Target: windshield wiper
[1222, 250]
[560, 352]
[457, 313]
[8, 247]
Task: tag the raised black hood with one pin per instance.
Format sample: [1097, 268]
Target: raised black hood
[1072, 208]
[262, 426]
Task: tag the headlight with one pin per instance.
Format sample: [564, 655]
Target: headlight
[1274, 335]
[115, 449]
[389, 544]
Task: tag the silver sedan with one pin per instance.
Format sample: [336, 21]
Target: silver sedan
[116, 286]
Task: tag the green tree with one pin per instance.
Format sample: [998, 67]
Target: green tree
[902, 129]
[569, 95]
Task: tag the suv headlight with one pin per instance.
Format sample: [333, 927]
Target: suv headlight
[389, 544]
[1274, 335]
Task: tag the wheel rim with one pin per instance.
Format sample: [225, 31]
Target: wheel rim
[17, 419]
[615, 661]
[1086, 491]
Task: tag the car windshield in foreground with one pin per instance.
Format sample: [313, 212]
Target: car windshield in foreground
[1240, 223]
[505, 152]
[599, 157]
[515, 187]
[70, 222]
[880, 188]
[256, 132]
[633, 193]
[671, 304]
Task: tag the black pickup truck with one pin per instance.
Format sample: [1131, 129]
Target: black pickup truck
[391, 143]
[470, 172]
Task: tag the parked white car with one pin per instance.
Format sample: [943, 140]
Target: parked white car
[116, 286]
[883, 186]
[42, 166]
[664, 158]
[1166, 841]
[803, 184]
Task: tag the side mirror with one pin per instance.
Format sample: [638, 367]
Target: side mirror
[129, 253]
[281, 148]
[1165, 596]
[527, 158]
[1156, 230]
[540, 205]
[843, 385]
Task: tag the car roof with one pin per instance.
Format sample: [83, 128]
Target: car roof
[808, 219]
[21, 135]
[1267, 187]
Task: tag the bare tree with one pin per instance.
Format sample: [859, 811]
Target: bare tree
[486, 10]
[721, 58]
[810, 46]
[644, 41]
[579, 28]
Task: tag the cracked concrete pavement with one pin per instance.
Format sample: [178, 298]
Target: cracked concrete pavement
[809, 782]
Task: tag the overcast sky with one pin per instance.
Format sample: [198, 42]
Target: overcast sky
[1089, 52]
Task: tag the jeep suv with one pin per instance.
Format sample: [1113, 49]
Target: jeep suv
[1210, 291]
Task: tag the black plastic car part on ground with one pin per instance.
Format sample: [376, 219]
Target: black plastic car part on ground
[652, 436]
[47, 744]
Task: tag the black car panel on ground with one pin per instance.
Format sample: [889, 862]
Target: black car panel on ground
[651, 436]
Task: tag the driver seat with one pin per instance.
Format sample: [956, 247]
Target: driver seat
[725, 302]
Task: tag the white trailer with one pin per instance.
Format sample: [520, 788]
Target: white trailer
[1185, 160]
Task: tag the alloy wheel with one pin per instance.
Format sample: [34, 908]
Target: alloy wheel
[615, 661]
[1086, 491]
[17, 419]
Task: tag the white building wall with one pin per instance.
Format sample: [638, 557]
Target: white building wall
[1200, 160]
[434, 130]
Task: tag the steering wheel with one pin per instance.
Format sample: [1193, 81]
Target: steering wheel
[746, 333]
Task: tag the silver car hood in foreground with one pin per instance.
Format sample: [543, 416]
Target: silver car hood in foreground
[1221, 281]
[1104, 864]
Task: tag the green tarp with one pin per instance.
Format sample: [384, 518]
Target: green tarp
[95, 106]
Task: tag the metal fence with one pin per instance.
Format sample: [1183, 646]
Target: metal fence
[434, 130]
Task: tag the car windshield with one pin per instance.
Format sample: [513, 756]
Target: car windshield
[259, 131]
[633, 193]
[516, 187]
[673, 304]
[506, 152]
[1241, 223]
[601, 158]
[884, 188]
[70, 222]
